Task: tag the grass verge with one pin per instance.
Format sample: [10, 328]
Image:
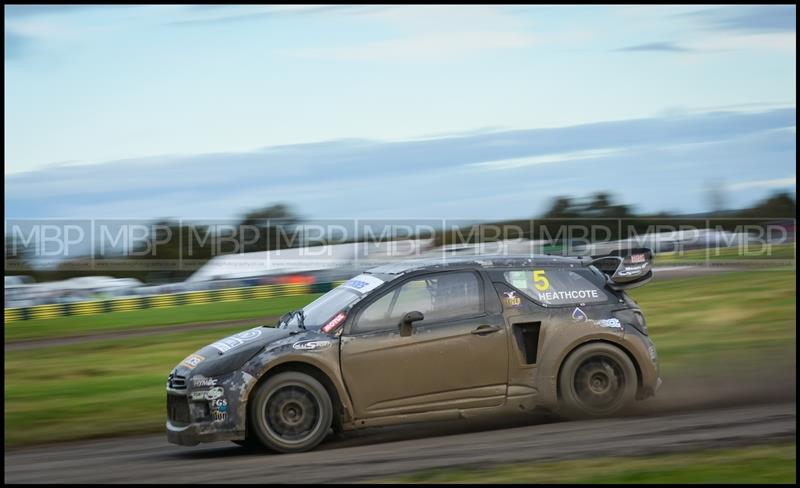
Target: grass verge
[783, 254]
[714, 322]
[97, 389]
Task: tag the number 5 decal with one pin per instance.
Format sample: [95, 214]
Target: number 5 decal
[540, 281]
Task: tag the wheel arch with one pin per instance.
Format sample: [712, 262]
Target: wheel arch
[639, 381]
[311, 370]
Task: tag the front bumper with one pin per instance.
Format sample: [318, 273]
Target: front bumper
[204, 409]
[191, 435]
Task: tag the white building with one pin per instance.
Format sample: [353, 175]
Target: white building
[309, 259]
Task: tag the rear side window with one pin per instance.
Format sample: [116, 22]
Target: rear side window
[556, 287]
[439, 297]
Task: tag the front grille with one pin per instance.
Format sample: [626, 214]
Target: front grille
[176, 382]
[178, 409]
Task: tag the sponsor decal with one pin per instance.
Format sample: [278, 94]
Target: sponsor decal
[579, 315]
[227, 344]
[200, 381]
[214, 393]
[192, 361]
[613, 323]
[249, 335]
[363, 283]
[637, 258]
[198, 395]
[550, 296]
[311, 345]
[219, 409]
[236, 340]
[511, 299]
[632, 270]
[540, 281]
[334, 322]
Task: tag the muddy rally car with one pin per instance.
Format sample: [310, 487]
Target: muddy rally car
[423, 341]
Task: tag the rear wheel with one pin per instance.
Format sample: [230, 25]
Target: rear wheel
[290, 412]
[596, 380]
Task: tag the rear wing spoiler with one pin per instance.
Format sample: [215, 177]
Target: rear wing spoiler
[626, 268]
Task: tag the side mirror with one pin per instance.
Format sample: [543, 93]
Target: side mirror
[408, 320]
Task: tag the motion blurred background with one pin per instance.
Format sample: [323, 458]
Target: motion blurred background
[177, 173]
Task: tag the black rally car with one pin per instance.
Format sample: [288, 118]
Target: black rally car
[422, 341]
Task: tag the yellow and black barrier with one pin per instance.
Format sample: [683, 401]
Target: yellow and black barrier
[126, 304]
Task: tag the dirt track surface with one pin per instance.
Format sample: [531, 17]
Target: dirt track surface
[389, 452]
[666, 273]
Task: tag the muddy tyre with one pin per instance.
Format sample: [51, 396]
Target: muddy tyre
[596, 380]
[290, 412]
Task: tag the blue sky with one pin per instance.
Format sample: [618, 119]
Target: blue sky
[393, 112]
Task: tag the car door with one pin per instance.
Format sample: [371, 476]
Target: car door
[456, 357]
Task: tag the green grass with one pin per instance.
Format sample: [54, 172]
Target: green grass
[757, 464]
[781, 253]
[101, 388]
[113, 387]
[153, 317]
[708, 322]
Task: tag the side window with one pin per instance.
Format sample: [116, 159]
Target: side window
[376, 316]
[556, 287]
[438, 297]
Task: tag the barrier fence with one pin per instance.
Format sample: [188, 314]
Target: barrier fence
[125, 304]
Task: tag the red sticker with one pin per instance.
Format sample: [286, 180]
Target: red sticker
[334, 322]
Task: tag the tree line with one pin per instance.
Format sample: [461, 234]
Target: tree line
[270, 228]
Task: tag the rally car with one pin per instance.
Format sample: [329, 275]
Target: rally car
[426, 340]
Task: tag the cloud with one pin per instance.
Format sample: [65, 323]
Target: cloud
[429, 32]
[31, 29]
[16, 46]
[742, 27]
[21, 11]
[224, 14]
[656, 46]
[749, 19]
[773, 183]
[421, 47]
[655, 161]
[548, 159]
[782, 42]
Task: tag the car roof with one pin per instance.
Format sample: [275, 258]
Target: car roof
[480, 261]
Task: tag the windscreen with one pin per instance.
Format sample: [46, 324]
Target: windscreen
[325, 307]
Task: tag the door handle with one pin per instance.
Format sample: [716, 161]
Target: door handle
[485, 329]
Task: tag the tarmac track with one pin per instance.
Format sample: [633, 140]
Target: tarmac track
[389, 452]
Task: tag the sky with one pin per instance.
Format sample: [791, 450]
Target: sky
[463, 112]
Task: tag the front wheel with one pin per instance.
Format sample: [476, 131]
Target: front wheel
[596, 380]
[291, 412]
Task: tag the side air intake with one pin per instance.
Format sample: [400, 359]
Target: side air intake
[527, 336]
